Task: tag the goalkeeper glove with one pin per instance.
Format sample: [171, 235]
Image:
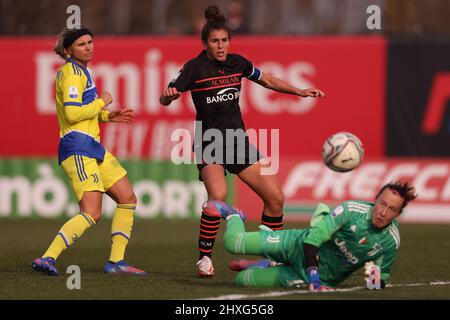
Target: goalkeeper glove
[372, 276]
[314, 281]
[313, 277]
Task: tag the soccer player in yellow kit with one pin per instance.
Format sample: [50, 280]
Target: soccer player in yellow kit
[91, 169]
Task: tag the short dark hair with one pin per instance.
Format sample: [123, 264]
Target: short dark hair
[404, 189]
[215, 20]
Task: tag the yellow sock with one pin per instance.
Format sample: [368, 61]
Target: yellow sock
[68, 234]
[121, 230]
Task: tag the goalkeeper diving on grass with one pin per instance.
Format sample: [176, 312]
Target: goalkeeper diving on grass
[338, 242]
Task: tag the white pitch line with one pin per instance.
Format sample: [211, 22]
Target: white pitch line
[305, 291]
[274, 294]
[433, 283]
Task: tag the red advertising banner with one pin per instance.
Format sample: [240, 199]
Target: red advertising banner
[307, 181]
[350, 70]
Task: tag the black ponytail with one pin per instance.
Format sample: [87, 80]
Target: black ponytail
[215, 20]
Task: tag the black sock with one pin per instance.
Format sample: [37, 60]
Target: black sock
[274, 223]
[209, 226]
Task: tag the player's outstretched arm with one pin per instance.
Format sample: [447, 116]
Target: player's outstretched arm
[372, 276]
[270, 82]
[168, 95]
[124, 115]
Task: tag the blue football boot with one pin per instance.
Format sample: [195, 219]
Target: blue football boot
[242, 264]
[45, 265]
[217, 208]
[122, 267]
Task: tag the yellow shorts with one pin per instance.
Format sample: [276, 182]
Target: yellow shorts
[89, 174]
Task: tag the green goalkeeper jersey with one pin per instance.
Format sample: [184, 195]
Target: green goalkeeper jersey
[346, 240]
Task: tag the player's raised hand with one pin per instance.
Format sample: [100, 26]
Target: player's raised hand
[106, 97]
[315, 93]
[124, 115]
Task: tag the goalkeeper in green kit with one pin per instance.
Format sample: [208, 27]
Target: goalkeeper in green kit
[339, 241]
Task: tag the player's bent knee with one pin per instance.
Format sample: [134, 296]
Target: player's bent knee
[230, 242]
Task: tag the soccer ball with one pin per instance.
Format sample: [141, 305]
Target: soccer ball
[342, 152]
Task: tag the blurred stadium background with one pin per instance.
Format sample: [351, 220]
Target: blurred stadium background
[390, 87]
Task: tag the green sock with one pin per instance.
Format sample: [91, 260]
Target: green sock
[237, 240]
[257, 277]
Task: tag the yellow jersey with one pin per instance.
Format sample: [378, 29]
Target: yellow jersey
[79, 111]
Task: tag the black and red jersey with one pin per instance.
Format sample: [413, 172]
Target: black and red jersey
[215, 87]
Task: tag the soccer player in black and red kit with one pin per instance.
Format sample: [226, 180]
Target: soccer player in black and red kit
[214, 79]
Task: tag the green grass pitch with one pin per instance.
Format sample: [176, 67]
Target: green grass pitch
[167, 250]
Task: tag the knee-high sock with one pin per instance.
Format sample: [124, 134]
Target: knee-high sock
[121, 227]
[69, 233]
[274, 223]
[209, 226]
[237, 240]
[257, 277]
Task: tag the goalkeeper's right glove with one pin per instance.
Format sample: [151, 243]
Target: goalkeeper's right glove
[372, 276]
[313, 278]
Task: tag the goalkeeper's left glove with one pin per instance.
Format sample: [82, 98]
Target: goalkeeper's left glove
[372, 276]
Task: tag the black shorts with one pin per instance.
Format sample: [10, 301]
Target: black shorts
[234, 158]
